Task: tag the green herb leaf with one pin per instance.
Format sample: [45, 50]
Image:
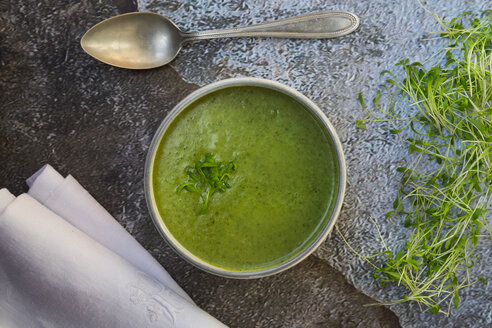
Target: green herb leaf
[456, 299]
[434, 309]
[360, 124]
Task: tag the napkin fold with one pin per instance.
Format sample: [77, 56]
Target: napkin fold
[63, 271]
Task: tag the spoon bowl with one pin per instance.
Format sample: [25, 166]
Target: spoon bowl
[134, 40]
[144, 40]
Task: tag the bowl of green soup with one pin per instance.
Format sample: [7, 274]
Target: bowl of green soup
[245, 177]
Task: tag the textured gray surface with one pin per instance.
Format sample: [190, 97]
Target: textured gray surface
[59, 106]
[332, 73]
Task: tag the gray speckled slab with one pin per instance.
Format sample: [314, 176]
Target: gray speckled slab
[332, 73]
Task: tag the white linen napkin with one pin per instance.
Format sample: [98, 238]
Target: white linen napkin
[67, 198]
[54, 274]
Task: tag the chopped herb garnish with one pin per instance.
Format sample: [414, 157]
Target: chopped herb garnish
[206, 177]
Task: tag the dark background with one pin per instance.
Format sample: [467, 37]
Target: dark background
[94, 121]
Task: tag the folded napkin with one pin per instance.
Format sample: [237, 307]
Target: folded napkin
[65, 262]
[67, 198]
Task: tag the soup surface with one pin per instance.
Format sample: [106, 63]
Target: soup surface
[281, 194]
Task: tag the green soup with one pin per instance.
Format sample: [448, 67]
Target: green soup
[281, 194]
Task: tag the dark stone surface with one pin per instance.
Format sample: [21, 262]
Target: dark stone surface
[59, 106]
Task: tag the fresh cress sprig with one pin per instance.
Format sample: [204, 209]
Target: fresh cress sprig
[206, 177]
[448, 110]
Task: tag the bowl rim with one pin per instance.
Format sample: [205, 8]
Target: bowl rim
[173, 114]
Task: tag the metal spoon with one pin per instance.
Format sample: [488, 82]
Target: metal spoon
[144, 40]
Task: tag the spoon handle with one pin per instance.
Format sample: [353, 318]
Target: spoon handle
[325, 24]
